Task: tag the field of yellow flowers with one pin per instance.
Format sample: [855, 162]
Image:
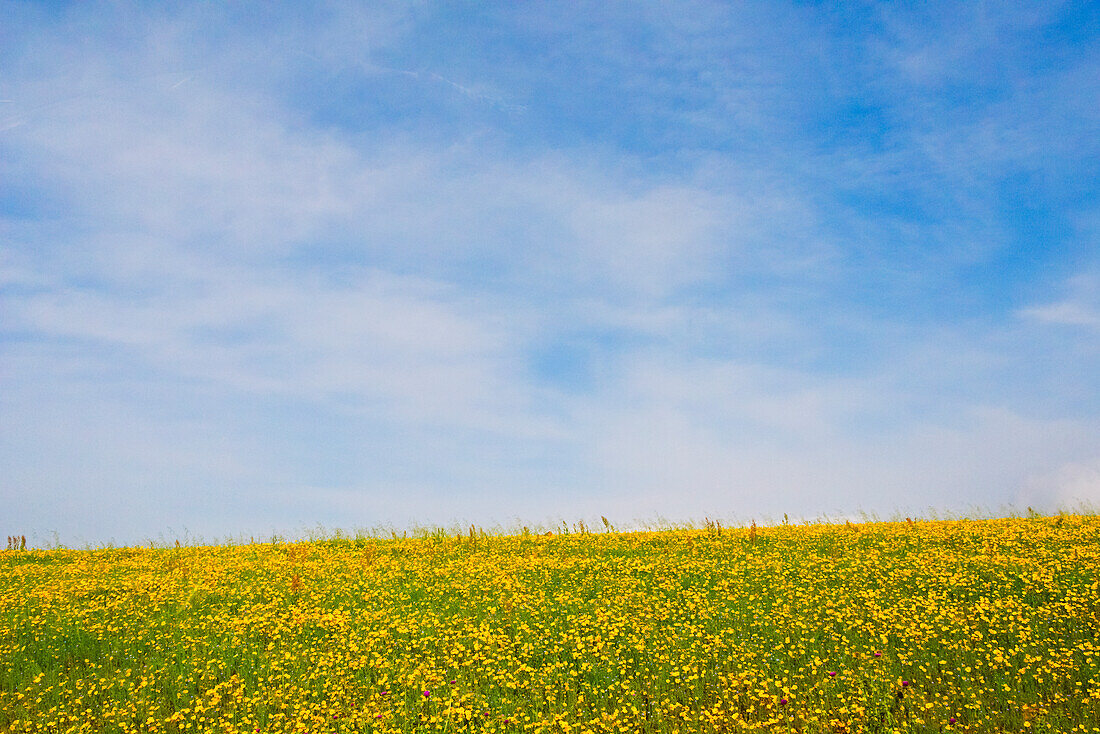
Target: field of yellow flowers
[933, 626]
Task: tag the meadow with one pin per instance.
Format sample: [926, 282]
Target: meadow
[930, 626]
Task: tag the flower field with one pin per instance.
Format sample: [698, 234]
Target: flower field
[969, 625]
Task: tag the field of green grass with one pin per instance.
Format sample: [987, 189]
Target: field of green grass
[931, 626]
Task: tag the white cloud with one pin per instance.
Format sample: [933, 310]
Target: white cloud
[1066, 313]
[1080, 308]
[667, 461]
[1066, 487]
[417, 346]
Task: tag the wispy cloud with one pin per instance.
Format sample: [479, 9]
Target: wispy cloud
[1081, 307]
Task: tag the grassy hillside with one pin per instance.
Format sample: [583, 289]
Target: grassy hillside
[975, 626]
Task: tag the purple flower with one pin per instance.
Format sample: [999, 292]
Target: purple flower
[952, 720]
[427, 694]
[783, 702]
[832, 673]
[904, 683]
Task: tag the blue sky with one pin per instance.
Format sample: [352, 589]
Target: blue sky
[267, 267]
